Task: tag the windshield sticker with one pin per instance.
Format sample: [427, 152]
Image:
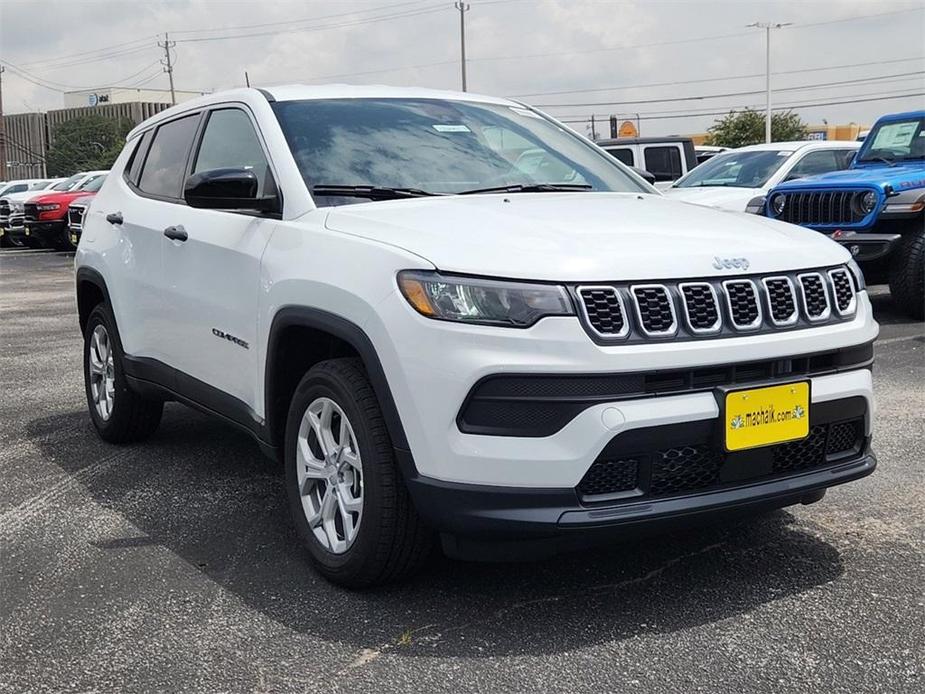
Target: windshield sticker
[446, 128]
[895, 135]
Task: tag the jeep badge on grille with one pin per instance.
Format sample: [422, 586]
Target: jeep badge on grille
[730, 263]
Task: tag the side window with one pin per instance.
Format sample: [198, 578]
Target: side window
[623, 154]
[165, 165]
[818, 162]
[229, 141]
[663, 162]
[133, 167]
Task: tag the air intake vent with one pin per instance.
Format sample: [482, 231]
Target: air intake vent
[815, 297]
[782, 301]
[604, 310]
[700, 307]
[654, 309]
[845, 300]
[742, 301]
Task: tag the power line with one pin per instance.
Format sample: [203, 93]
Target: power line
[59, 87]
[728, 94]
[788, 107]
[94, 51]
[719, 79]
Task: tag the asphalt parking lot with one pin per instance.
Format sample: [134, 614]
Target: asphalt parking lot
[172, 566]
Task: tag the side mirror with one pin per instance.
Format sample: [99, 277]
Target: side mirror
[227, 189]
[649, 177]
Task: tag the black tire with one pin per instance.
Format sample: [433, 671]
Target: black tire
[392, 541]
[907, 274]
[132, 418]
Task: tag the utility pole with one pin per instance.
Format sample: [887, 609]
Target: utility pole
[463, 7]
[767, 26]
[168, 64]
[3, 169]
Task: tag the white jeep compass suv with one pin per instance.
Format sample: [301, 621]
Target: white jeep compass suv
[453, 318]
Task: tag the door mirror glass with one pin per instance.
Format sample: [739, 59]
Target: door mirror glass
[227, 189]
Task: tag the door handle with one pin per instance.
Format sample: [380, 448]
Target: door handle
[177, 233]
[114, 218]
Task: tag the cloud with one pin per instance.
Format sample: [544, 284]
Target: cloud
[576, 44]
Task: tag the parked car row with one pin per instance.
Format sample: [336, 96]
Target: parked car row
[35, 213]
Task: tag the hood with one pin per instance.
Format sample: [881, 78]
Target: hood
[725, 198]
[62, 197]
[24, 195]
[584, 237]
[899, 178]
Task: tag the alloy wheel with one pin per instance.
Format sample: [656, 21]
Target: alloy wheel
[330, 475]
[102, 372]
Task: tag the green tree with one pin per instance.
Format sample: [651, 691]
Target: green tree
[741, 128]
[86, 143]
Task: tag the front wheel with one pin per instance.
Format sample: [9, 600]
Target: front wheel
[119, 414]
[907, 275]
[348, 500]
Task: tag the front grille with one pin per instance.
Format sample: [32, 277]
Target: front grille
[815, 297]
[75, 217]
[700, 307]
[30, 212]
[684, 468]
[844, 437]
[843, 290]
[701, 464]
[715, 307]
[610, 477]
[655, 309]
[782, 302]
[742, 301]
[603, 309]
[822, 207]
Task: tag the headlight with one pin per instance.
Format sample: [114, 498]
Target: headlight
[858, 275]
[755, 205]
[48, 207]
[483, 301]
[777, 204]
[868, 201]
[17, 207]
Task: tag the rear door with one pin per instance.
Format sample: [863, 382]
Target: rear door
[212, 278]
[664, 161]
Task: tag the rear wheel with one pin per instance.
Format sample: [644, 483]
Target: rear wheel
[348, 500]
[119, 414]
[907, 274]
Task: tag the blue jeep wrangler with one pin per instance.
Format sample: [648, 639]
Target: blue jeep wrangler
[876, 207]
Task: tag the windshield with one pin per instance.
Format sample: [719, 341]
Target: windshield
[736, 169]
[92, 184]
[68, 183]
[899, 140]
[438, 146]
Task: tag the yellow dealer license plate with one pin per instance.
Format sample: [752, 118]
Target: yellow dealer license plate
[28, 231]
[765, 416]
[74, 239]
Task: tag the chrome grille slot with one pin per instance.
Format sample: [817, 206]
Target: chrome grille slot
[782, 302]
[701, 309]
[843, 291]
[654, 309]
[742, 302]
[815, 298]
[604, 310]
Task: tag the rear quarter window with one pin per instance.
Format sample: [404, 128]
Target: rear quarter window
[165, 165]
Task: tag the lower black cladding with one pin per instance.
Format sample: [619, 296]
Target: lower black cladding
[534, 405]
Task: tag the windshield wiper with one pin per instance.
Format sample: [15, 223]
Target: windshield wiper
[877, 157]
[531, 188]
[371, 192]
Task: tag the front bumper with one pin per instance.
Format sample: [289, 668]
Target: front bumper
[866, 248]
[43, 233]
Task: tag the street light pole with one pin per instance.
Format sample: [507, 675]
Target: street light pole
[767, 26]
[463, 7]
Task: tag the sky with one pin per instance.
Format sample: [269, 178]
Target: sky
[675, 63]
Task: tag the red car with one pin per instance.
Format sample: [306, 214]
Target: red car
[45, 221]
